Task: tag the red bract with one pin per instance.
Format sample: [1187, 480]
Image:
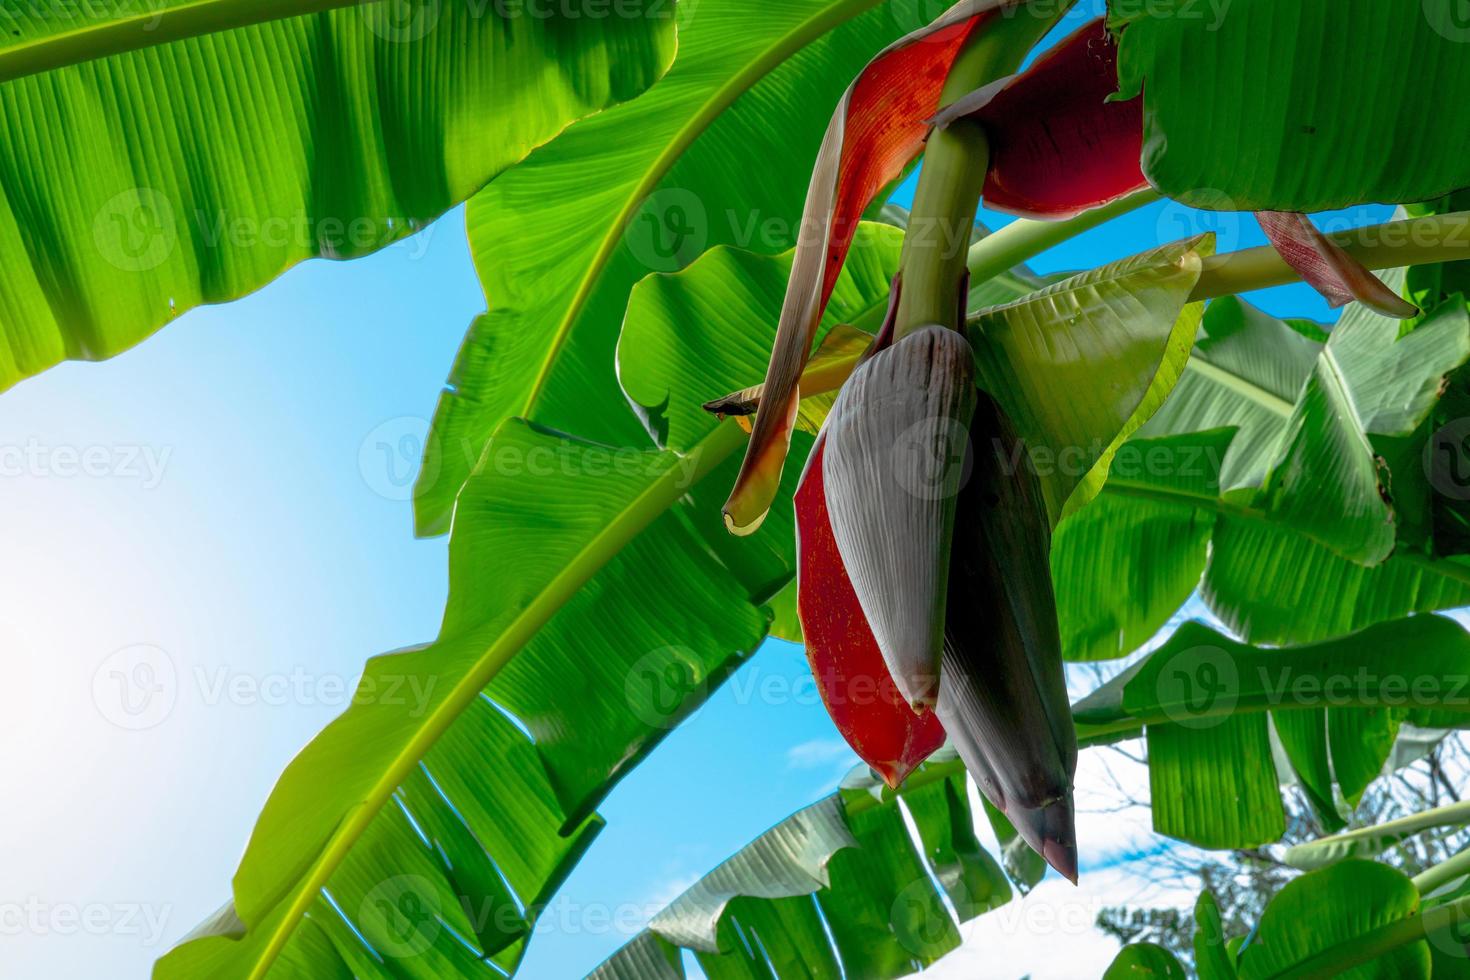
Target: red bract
[878, 128]
[1058, 147]
[856, 687]
[1327, 267]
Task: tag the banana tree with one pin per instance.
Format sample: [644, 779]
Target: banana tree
[713, 363]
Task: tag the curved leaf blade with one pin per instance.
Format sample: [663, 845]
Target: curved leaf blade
[217, 161]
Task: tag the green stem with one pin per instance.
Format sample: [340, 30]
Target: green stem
[1025, 239]
[1443, 872]
[1412, 241]
[955, 162]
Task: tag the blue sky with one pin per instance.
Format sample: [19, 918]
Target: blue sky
[244, 542]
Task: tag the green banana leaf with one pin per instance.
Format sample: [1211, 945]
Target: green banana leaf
[1307, 106]
[1144, 961]
[1337, 907]
[1041, 357]
[1246, 372]
[197, 170]
[646, 187]
[836, 889]
[1329, 481]
[1125, 563]
[551, 623]
[1211, 959]
[544, 644]
[1266, 574]
[1202, 699]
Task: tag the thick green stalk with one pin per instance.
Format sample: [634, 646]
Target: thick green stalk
[1025, 238]
[955, 162]
[1443, 873]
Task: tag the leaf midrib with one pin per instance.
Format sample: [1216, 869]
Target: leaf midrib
[790, 43]
[1241, 385]
[655, 500]
[121, 34]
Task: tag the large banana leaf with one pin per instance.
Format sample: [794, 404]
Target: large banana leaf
[1095, 353]
[552, 621]
[1267, 574]
[837, 889]
[646, 187]
[1202, 699]
[138, 185]
[1246, 372]
[1306, 106]
[1368, 384]
[1334, 907]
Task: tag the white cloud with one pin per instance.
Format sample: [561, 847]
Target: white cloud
[820, 753]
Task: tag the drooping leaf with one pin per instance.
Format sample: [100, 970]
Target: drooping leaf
[1215, 785]
[1334, 907]
[1080, 365]
[1246, 372]
[1303, 735]
[1329, 133]
[259, 140]
[645, 187]
[1368, 382]
[1360, 741]
[1126, 562]
[1211, 959]
[531, 633]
